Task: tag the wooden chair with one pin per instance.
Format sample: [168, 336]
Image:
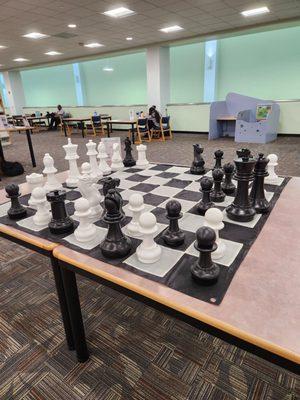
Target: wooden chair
[69, 129]
[142, 131]
[96, 125]
[163, 132]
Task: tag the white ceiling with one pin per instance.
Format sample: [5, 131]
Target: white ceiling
[197, 17]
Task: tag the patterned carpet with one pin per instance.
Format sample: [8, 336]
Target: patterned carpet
[137, 353]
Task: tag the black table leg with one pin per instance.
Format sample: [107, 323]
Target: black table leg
[82, 128]
[71, 291]
[65, 129]
[28, 134]
[63, 303]
[107, 127]
[132, 133]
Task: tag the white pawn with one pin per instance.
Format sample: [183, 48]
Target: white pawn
[52, 183]
[148, 252]
[72, 157]
[136, 206]
[34, 180]
[214, 219]
[116, 160]
[142, 161]
[86, 231]
[92, 154]
[102, 156]
[43, 216]
[273, 162]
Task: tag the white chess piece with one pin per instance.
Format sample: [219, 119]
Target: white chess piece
[43, 216]
[89, 190]
[148, 252]
[34, 180]
[52, 183]
[92, 154]
[273, 162]
[214, 219]
[142, 161]
[72, 157]
[102, 156]
[86, 231]
[116, 160]
[136, 206]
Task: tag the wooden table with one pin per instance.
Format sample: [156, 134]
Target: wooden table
[28, 131]
[110, 123]
[259, 313]
[39, 119]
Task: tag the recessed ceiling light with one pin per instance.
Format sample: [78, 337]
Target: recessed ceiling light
[93, 45]
[35, 35]
[119, 12]
[72, 26]
[107, 69]
[53, 53]
[3, 47]
[255, 11]
[20, 59]
[173, 28]
[129, 38]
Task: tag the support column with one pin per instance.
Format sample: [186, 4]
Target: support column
[158, 77]
[210, 66]
[79, 85]
[14, 92]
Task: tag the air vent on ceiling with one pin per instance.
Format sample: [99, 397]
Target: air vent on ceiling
[65, 35]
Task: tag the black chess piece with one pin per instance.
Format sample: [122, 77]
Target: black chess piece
[16, 211]
[241, 208]
[228, 186]
[60, 223]
[112, 183]
[197, 167]
[244, 153]
[257, 194]
[217, 195]
[173, 236]
[205, 203]
[218, 157]
[128, 161]
[204, 270]
[115, 244]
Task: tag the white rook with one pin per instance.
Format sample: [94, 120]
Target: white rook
[142, 161]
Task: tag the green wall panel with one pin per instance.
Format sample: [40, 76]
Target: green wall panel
[187, 73]
[265, 65]
[125, 85]
[49, 86]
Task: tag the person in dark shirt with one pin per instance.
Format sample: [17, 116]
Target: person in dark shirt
[153, 118]
[55, 118]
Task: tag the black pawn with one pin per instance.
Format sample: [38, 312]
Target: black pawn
[218, 157]
[241, 209]
[16, 211]
[228, 186]
[60, 223]
[173, 236]
[257, 194]
[217, 195]
[115, 244]
[128, 161]
[197, 167]
[204, 270]
[205, 203]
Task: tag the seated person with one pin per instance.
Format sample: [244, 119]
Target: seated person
[153, 118]
[55, 118]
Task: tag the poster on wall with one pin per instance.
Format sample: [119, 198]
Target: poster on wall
[263, 111]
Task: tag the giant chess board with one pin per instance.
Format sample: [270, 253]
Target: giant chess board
[158, 184]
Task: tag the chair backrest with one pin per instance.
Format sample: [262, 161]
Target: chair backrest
[165, 121]
[142, 122]
[96, 119]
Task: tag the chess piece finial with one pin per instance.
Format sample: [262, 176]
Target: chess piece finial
[128, 160]
[257, 194]
[218, 157]
[204, 270]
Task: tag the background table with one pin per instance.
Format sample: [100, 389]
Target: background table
[110, 123]
[82, 122]
[28, 131]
